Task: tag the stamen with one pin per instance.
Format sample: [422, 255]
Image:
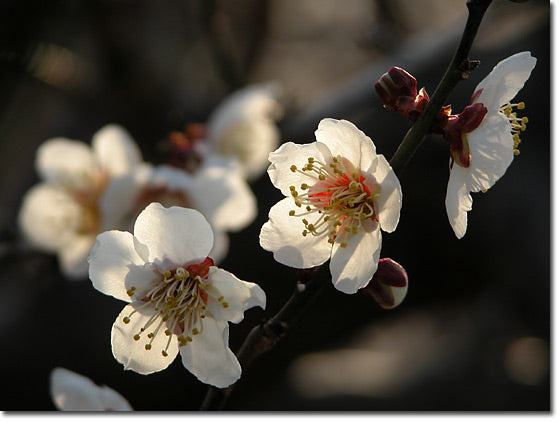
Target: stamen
[518, 124]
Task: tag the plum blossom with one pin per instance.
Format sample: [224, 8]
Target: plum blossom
[176, 299]
[487, 136]
[339, 195]
[243, 126]
[62, 214]
[216, 189]
[73, 392]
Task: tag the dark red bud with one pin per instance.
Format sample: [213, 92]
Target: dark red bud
[388, 285]
[394, 84]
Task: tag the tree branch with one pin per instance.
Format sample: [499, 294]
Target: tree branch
[459, 69]
[264, 337]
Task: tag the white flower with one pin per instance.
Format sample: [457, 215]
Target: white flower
[243, 126]
[493, 143]
[73, 392]
[62, 214]
[216, 189]
[340, 193]
[177, 300]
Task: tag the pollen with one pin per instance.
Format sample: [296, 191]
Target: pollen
[518, 124]
[176, 304]
[338, 203]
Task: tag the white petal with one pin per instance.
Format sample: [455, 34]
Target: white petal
[208, 356]
[388, 203]
[115, 150]
[258, 102]
[505, 80]
[491, 148]
[224, 197]
[66, 162]
[292, 154]
[73, 256]
[115, 265]
[221, 246]
[120, 200]
[238, 294]
[75, 393]
[353, 267]
[345, 139]
[174, 236]
[49, 217]
[282, 235]
[132, 353]
[458, 200]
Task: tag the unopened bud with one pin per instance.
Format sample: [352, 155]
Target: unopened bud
[389, 284]
[395, 87]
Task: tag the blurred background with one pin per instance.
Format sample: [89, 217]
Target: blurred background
[473, 334]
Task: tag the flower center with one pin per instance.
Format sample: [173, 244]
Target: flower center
[342, 200]
[518, 124]
[178, 300]
[88, 199]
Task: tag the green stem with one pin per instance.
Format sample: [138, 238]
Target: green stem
[458, 70]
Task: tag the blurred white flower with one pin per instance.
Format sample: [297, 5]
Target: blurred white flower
[62, 213]
[488, 150]
[339, 195]
[177, 300]
[243, 126]
[216, 189]
[73, 392]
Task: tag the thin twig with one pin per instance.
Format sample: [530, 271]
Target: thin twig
[459, 69]
[264, 337]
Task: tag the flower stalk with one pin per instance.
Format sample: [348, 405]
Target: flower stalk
[459, 69]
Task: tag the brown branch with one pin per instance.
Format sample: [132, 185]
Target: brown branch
[264, 337]
[459, 69]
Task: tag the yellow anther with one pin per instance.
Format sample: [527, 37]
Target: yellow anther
[343, 245]
[293, 168]
[521, 105]
[311, 160]
[292, 188]
[304, 186]
[136, 337]
[292, 213]
[126, 320]
[167, 274]
[164, 353]
[220, 298]
[298, 204]
[304, 233]
[322, 177]
[168, 332]
[294, 194]
[484, 190]
[331, 240]
[308, 208]
[195, 331]
[150, 335]
[524, 120]
[225, 304]
[188, 339]
[148, 346]
[515, 152]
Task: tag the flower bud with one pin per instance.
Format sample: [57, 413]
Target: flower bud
[389, 284]
[396, 87]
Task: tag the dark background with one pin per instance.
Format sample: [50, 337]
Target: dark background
[473, 333]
